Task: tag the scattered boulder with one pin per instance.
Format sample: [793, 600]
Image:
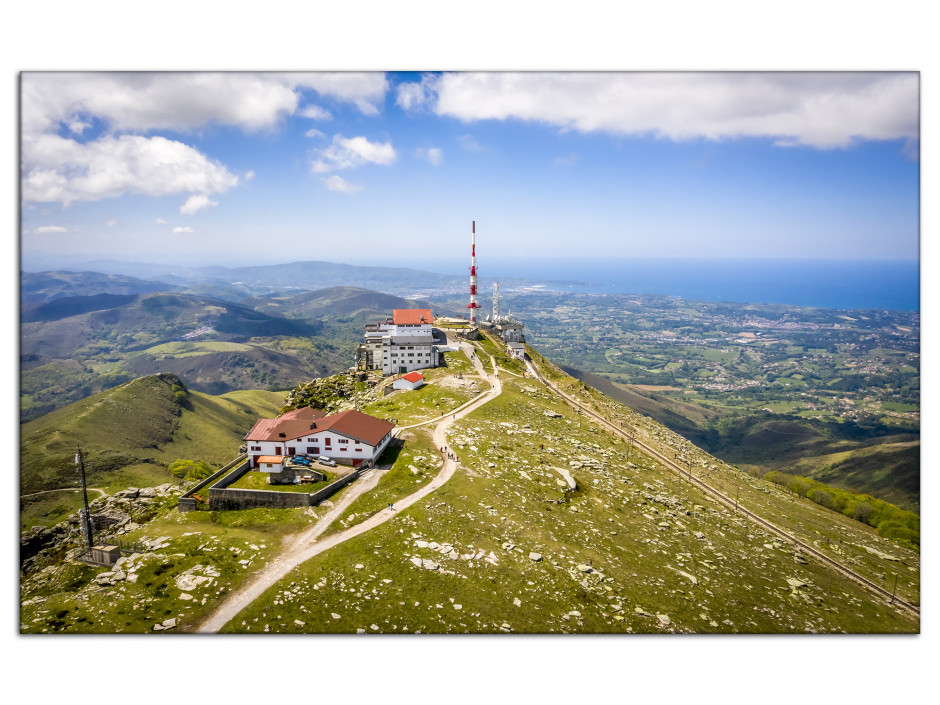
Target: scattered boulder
[535, 557]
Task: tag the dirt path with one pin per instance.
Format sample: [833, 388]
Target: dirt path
[306, 545]
[66, 489]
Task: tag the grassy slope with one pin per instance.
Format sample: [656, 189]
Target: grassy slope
[135, 422]
[880, 466]
[613, 521]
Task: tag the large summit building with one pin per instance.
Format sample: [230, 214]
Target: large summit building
[402, 343]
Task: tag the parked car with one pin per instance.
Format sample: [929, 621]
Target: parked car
[324, 460]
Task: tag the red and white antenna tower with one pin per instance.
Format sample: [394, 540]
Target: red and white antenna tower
[473, 305]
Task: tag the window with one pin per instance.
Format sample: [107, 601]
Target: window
[256, 447]
[343, 440]
[327, 441]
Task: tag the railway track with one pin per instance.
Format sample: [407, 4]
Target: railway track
[891, 600]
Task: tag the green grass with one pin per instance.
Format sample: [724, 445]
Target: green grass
[371, 583]
[196, 539]
[255, 480]
[130, 431]
[431, 401]
[415, 464]
[186, 348]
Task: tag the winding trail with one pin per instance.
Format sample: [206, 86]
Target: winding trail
[879, 591]
[306, 545]
[66, 489]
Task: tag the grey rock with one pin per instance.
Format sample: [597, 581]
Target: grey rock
[535, 557]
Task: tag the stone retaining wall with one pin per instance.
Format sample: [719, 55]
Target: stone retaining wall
[188, 504]
[223, 498]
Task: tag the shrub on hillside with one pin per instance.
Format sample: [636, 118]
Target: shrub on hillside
[190, 470]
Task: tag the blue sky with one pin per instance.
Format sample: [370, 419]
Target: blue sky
[233, 168]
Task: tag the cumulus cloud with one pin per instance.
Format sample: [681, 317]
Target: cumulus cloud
[434, 155]
[161, 221]
[183, 229]
[347, 153]
[313, 133]
[250, 175]
[63, 170]
[414, 96]
[315, 112]
[822, 110]
[56, 168]
[185, 101]
[50, 229]
[338, 183]
[197, 202]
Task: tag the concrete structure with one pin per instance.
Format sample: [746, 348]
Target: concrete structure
[349, 437]
[507, 328]
[517, 350]
[405, 342]
[412, 380]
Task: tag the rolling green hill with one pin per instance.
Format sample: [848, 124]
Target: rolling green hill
[131, 433]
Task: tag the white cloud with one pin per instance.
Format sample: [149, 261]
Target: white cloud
[250, 175]
[434, 155]
[197, 202]
[313, 132]
[346, 153]
[185, 101]
[364, 90]
[338, 183]
[50, 229]
[111, 223]
[183, 229]
[58, 169]
[470, 144]
[161, 221]
[315, 112]
[823, 110]
[413, 96]
[62, 170]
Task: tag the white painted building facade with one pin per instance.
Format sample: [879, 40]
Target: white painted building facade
[349, 437]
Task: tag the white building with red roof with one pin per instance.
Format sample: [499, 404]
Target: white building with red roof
[403, 343]
[349, 437]
[412, 380]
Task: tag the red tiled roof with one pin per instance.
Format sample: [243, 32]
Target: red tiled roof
[413, 376]
[300, 422]
[293, 424]
[357, 426]
[411, 316]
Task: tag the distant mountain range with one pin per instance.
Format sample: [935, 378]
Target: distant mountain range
[241, 282]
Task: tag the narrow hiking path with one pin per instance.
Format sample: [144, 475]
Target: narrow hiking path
[307, 544]
[886, 596]
[66, 489]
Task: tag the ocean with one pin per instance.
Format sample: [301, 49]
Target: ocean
[840, 284]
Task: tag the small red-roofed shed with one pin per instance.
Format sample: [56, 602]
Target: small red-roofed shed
[412, 380]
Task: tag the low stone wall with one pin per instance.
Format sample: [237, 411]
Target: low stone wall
[227, 499]
[223, 498]
[333, 488]
[188, 504]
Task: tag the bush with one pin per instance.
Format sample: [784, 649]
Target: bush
[190, 470]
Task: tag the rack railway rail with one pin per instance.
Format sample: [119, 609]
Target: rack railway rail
[879, 591]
